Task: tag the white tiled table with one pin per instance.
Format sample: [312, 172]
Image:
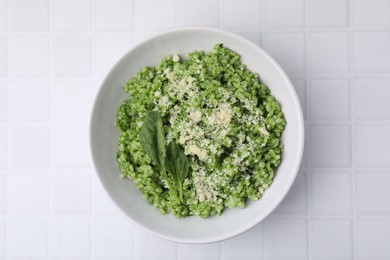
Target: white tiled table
[53, 55]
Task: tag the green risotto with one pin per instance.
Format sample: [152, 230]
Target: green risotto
[199, 134]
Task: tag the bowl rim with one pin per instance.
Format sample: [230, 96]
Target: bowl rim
[300, 126]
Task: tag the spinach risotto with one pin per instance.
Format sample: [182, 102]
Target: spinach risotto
[200, 133]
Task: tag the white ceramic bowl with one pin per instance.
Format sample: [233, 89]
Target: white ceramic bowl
[103, 137]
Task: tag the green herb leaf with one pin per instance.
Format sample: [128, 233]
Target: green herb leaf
[152, 138]
[177, 165]
[170, 158]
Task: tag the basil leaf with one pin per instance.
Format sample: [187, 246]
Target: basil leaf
[176, 163]
[152, 138]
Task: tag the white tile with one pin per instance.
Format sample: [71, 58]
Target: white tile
[372, 98]
[71, 15]
[373, 193]
[331, 193]
[285, 13]
[71, 193]
[29, 147]
[305, 156]
[331, 239]
[70, 147]
[372, 52]
[144, 35]
[3, 237]
[28, 238]
[290, 56]
[286, 239]
[70, 238]
[3, 147]
[32, 59]
[330, 99]
[79, 109]
[96, 83]
[329, 13]
[3, 195]
[31, 15]
[4, 56]
[372, 145]
[72, 56]
[330, 146]
[300, 88]
[198, 252]
[29, 101]
[154, 14]
[245, 14]
[102, 203]
[329, 52]
[198, 13]
[113, 238]
[3, 15]
[28, 192]
[150, 247]
[373, 238]
[295, 201]
[109, 49]
[247, 246]
[372, 13]
[3, 101]
[117, 15]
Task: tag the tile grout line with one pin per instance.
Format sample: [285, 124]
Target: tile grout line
[221, 14]
[243, 30]
[94, 19]
[136, 21]
[263, 27]
[342, 76]
[176, 6]
[271, 31]
[8, 159]
[177, 10]
[331, 215]
[7, 128]
[46, 123]
[308, 129]
[353, 130]
[51, 128]
[265, 239]
[348, 122]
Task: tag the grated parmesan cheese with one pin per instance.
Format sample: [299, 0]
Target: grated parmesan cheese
[183, 139]
[203, 185]
[195, 116]
[221, 116]
[175, 58]
[190, 80]
[195, 150]
[263, 130]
